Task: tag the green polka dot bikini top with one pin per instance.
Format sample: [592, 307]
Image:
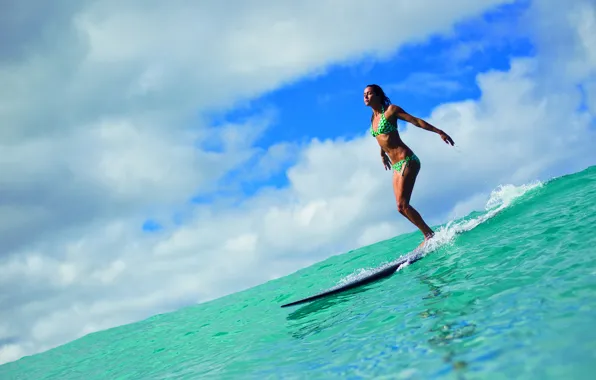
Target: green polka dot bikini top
[385, 127]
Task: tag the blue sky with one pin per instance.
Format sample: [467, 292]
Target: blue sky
[418, 77]
[305, 108]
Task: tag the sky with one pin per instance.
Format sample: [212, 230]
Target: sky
[162, 154]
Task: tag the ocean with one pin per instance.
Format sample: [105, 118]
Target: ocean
[507, 292]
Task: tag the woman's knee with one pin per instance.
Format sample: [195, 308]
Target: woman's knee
[402, 205]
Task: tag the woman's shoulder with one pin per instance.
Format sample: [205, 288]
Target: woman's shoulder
[393, 108]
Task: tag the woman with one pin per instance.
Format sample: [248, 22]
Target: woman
[393, 150]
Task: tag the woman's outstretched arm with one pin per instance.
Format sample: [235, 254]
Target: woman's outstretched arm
[401, 114]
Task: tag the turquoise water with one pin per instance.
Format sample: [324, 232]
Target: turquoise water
[509, 292]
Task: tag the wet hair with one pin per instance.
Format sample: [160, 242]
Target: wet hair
[378, 91]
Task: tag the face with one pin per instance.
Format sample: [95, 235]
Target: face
[369, 97]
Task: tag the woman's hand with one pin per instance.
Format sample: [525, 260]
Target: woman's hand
[386, 161]
[446, 137]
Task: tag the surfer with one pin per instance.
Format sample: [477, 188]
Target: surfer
[395, 154]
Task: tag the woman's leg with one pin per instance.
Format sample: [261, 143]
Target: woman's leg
[402, 187]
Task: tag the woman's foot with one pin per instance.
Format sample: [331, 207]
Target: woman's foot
[427, 237]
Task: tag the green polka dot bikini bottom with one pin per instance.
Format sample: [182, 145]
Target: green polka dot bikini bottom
[399, 165]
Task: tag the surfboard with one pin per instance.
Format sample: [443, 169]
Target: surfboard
[379, 273]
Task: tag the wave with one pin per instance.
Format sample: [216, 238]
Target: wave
[501, 198]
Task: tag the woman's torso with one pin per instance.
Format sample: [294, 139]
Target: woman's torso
[384, 129]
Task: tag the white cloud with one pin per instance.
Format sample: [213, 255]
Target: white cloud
[100, 133]
[102, 122]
